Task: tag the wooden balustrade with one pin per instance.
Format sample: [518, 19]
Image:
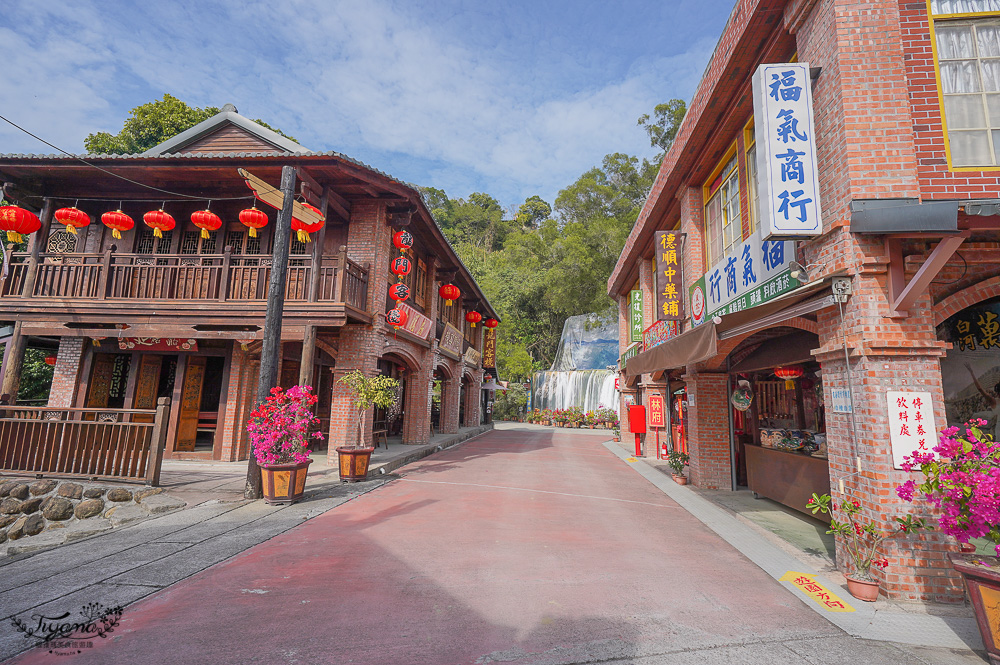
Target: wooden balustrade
[124, 444]
[220, 277]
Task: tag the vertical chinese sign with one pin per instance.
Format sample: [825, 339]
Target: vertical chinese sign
[911, 424]
[787, 174]
[635, 315]
[490, 348]
[669, 282]
[657, 413]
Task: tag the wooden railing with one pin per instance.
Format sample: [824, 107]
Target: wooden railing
[123, 444]
[219, 277]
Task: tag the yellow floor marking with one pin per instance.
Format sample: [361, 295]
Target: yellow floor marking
[812, 588]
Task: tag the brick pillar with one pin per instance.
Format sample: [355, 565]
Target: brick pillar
[66, 374]
[417, 410]
[355, 352]
[451, 393]
[472, 397]
[232, 417]
[708, 430]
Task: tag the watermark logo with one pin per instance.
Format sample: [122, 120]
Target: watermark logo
[65, 634]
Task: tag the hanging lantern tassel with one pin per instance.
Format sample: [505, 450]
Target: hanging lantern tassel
[17, 221]
[473, 318]
[789, 374]
[302, 236]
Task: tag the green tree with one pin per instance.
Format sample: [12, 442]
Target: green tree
[510, 404]
[662, 129]
[36, 376]
[153, 123]
[531, 213]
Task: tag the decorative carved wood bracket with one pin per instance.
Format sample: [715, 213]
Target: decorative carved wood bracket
[903, 294]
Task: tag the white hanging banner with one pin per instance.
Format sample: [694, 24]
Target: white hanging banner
[787, 175]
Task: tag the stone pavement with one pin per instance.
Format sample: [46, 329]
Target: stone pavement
[121, 566]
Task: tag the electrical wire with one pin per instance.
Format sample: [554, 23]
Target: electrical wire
[120, 177]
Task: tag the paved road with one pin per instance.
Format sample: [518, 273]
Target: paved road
[518, 547]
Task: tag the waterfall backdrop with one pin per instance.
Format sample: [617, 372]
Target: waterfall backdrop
[580, 374]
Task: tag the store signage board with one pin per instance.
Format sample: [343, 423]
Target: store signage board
[657, 414]
[659, 332]
[911, 424]
[787, 173]
[635, 315]
[840, 399]
[755, 272]
[472, 357]
[157, 344]
[490, 347]
[450, 343]
[630, 352]
[416, 323]
[669, 278]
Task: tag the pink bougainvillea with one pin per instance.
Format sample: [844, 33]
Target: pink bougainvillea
[280, 429]
[962, 479]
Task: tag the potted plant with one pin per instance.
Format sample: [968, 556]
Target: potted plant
[616, 431]
[960, 479]
[547, 417]
[371, 391]
[862, 540]
[280, 430]
[677, 460]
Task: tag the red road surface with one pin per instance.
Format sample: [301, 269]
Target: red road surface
[518, 546]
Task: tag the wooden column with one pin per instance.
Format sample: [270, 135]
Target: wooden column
[315, 276]
[13, 361]
[271, 351]
[308, 356]
[38, 240]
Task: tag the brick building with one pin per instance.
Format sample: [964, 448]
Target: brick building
[135, 318]
[906, 113]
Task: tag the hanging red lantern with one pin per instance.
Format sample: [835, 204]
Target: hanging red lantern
[206, 220]
[159, 221]
[473, 318]
[117, 221]
[73, 218]
[403, 240]
[302, 229]
[18, 222]
[50, 360]
[491, 323]
[253, 219]
[399, 292]
[400, 266]
[788, 374]
[396, 317]
[450, 293]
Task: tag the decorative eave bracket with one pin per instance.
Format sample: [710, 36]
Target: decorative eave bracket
[903, 294]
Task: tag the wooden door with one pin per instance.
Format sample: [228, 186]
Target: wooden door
[187, 425]
[147, 386]
[100, 381]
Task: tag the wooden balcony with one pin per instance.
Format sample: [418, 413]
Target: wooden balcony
[215, 287]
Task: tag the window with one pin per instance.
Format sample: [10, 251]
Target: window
[722, 213]
[147, 243]
[449, 314]
[968, 53]
[753, 194]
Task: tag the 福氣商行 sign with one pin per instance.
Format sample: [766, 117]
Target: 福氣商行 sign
[787, 173]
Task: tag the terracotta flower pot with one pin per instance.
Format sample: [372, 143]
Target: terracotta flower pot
[679, 479]
[354, 463]
[863, 589]
[966, 548]
[982, 578]
[283, 484]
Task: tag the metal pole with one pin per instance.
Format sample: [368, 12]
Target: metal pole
[271, 350]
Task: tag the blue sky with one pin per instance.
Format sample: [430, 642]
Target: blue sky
[513, 98]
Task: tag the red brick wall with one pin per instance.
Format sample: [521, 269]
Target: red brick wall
[708, 430]
[66, 373]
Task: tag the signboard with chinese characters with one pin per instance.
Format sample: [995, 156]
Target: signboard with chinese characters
[787, 175]
[658, 333]
[840, 399]
[668, 278]
[451, 342]
[489, 348]
[157, 344]
[656, 412]
[976, 328]
[635, 315]
[911, 424]
[416, 323]
[472, 357]
[755, 272]
[630, 352]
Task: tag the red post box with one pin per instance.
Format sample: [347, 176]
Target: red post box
[637, 423]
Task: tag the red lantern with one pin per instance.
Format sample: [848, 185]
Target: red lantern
[17, 221]
[73, 218]
[399, 292]
[206, 220]
[449, 292]
[117, 221]
[253, 219]
[396, 317]
[491, 323]
[400, 266]
[788, 374]
[302, 229]
[473, 318]
[403, 240]
[50, 360]
[159, 221]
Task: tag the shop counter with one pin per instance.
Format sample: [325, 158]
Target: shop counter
[787, 477]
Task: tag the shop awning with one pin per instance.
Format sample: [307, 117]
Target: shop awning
[698, 344]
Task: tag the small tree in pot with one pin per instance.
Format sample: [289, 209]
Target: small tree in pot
[677, 460]
[372, 391]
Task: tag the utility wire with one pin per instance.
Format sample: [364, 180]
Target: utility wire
[120, 177]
